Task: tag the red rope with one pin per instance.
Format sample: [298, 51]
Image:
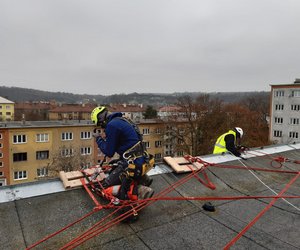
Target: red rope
[61, 230]
[261, 213]
[106, 222]
[98, 228]
[210, 198]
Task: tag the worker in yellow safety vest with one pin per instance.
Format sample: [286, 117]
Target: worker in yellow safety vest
[227, 142]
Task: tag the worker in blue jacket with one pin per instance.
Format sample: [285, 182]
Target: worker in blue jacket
[124, 138]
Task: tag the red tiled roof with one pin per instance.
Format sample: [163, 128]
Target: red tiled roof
[73, 108]
[126, 108]
[31, 106]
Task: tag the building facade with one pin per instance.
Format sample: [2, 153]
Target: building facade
[6, 110]
[29, 150]
[285, 113]
[35, 150]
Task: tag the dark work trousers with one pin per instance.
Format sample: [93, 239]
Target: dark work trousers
[131, 174]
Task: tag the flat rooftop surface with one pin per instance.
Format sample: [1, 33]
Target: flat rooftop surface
[170, 224]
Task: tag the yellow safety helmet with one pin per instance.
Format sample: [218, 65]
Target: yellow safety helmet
[98, 115]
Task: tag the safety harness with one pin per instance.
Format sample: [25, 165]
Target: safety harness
[136, 151]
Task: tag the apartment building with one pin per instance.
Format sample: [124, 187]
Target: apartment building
[285, 113]
[29, 149]
[6, 109]
[34, 150]
[153, 137]
[71, 112]
[131, 111]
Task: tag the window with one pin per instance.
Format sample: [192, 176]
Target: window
[8, 107]
[19, 157]
[20, 175]
[19, 139]
[293, 134]
[296, 93]
[86, 165]
[157, 131]
[157, 144]
[294, 121]
[277, 133]
[1, 145]
[180, 153]
[295, 107]
[8, 113]
[66, 136]
[181, 131]
[85, 135]
[157, 156]
[1, 174]
[67, 152]
[146, 144]
[42, 172]
[42, 137]
[42, 155]
[86, 151]
[146, 131]
[278, 120]
[279, 106]
[0, 135]
[1, 155]
[1, 164]
[278, 93]
[180, 141]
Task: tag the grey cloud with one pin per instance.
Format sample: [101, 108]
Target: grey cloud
[148, 46]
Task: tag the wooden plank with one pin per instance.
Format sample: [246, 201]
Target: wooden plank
[181, 165]
[72, 179]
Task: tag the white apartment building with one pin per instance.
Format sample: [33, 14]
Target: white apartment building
[285, 113]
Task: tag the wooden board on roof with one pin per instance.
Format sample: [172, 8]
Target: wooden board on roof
[72, 179]
[181, 165]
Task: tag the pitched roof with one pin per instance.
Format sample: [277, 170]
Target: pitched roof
[67, 108]
[5, 101]
[126, 108]
[33, 106]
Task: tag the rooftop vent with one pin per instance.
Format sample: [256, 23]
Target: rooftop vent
[297, 81]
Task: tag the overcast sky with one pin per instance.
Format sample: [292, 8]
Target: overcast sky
[158, 46]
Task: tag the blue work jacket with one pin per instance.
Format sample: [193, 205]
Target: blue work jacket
[120, 136]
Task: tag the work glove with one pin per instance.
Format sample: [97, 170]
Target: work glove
[96, 133]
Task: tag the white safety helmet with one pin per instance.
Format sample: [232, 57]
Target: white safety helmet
[240, 131]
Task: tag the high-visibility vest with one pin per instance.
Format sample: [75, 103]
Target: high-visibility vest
[220, 145]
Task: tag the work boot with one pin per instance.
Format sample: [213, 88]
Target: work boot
[145, 192]
[146, 180]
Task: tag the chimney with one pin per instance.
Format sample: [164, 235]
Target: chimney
[23, 119]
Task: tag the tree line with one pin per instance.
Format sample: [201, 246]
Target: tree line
[208, 118]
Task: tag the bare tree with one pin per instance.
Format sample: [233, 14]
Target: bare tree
[200, 121]
[68, 159]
